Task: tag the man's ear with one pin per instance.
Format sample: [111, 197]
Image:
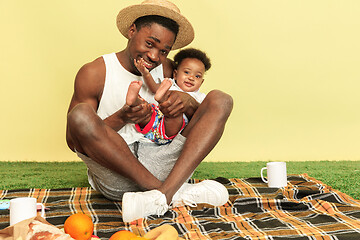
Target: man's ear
[132, 30]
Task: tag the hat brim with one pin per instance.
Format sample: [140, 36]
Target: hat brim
[128, 15]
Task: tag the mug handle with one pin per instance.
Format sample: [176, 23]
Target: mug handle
[42, 209]
[262, 177]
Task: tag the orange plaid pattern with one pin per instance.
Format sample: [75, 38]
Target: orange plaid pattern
[305, 209]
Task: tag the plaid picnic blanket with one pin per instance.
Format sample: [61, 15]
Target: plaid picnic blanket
[305, 209]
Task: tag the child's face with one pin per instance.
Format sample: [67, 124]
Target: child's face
[189, 74]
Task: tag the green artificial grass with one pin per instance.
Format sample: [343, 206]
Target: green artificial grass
[18, 175]
[341, 175]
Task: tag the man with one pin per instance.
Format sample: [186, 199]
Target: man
[100, 127]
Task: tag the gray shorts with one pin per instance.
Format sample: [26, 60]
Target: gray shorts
[158, 159]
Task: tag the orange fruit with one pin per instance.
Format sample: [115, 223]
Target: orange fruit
[123, 235]
[79, 226]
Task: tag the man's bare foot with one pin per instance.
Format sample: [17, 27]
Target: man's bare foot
[163, 88]
[133, 93]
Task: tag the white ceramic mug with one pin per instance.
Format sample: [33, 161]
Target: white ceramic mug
[24, 208]
[276, 174]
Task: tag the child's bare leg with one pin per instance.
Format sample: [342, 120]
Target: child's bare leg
[132, 96]
[133, 99]
[163, 88]
[172, 125]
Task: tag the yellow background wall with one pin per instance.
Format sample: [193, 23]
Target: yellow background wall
[291, 66]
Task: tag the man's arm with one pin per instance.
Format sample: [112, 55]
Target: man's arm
[97, 138]
[168, 68]
[89, 85]
[178, 103]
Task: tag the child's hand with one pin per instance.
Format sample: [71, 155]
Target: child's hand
[139, 64]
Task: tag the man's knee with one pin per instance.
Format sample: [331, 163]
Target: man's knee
[82, 120]
[220, 101]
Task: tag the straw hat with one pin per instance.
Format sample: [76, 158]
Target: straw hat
[128, 15]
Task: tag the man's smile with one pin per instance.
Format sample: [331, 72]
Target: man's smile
[148, 65]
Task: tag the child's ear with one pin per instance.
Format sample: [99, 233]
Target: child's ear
[174, 74]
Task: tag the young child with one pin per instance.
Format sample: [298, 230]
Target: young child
[190, 67]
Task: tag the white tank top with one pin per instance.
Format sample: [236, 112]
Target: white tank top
[117, 81]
